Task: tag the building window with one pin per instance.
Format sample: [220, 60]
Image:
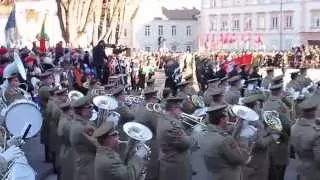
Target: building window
[248, 24]
[188, 30]
[261, 22]
[174, 48]
[160, 30]
[213, 23]
[147, 30]
[224, 25]
[288, 21]
[248, 1]
[174, 30]
[315, 19]
[237, 2]
[224, 3]
[147, 48]
[188, 48]
[275, 22]
[235, 24]
[213, 3]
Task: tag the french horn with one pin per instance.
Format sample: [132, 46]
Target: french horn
[272, 120]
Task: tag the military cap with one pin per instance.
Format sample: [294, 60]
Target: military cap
[234, 79]
[253, 98]
[45, 75]
[81, 102]
[61, 91]
[109, 86]
[183, 84]
[118, 91]
[277, 79]
[65, 105]
[276, 87]
[176, 99]
[105, 128]
[216, 92]
[269, 69]
[150, 92]
[308, 104]
[217, 108]
[188, 77]
[213, 80]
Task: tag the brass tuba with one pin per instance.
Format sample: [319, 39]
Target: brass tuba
[74, 95]
[272, 120]
[106, 105]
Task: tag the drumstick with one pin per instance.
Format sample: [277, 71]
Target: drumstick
[26, 132]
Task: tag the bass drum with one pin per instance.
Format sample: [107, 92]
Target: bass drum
[21, 170]
[20, 114]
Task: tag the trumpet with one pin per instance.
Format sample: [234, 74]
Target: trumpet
[191, 120]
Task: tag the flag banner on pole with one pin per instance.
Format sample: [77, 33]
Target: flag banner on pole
[42, 36]
[11, 31]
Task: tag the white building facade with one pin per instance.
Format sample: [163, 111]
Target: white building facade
[259, 24]
[177, 28]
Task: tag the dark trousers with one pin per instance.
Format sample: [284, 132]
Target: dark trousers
[277, 172]
[47, 154]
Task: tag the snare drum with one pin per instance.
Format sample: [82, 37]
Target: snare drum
[20, 114]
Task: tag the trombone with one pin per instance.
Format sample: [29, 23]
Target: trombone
[192, 120]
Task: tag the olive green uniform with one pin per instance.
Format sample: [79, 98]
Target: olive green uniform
[174, 147]
[108, 165]
[306, 142]
[84, 149]
[222, 155]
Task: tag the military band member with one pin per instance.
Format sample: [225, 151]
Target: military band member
[233, 95]
[266, 81]
[45, 92]
[107, 163]
[279, 151]
[13, 92]
[217, 97]
[212, 84]
[303, 78]
[166, 93]
[150, 119]
[257, 168]
[81, 143]
[305, 139]
[7, 157]
[174, 144]
[294, 84]
[61, 96]
[66, 155]
[52, 120]
[251, 87]
[222, 154]
[126, 115]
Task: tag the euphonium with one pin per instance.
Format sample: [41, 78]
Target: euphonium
[74, 95]
[106, 106]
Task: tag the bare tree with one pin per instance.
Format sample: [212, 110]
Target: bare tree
[107, 18]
